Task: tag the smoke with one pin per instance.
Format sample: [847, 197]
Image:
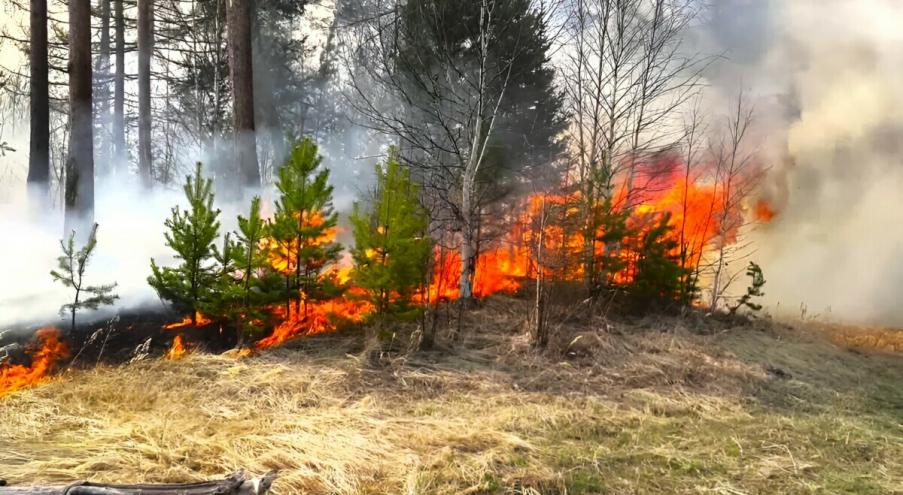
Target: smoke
[131, 227]
[827, 83]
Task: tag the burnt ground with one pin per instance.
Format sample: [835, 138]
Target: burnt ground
[120, 338]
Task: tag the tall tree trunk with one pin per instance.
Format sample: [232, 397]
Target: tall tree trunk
[145, 51]
[102, 91]
[80, 163]
[120, 153]
[239, 20]
[39, 153]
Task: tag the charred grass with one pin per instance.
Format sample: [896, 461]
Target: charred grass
[663, 405]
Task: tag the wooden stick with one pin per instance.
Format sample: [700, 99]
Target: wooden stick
[235, 484]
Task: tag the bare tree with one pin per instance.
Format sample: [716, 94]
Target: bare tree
[736, 175]
[240, 21]
[39, 153]
[145, 51]
[120, 152]
[445, 99]
[102, 94]
[627, 78]
[80, 162]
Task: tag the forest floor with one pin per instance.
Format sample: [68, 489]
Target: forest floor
[662, 405]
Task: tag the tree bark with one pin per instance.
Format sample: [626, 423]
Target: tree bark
[102, 92]
[241, 64]
[39, 152]
[80, 162]
[120, 153]
[145, 51]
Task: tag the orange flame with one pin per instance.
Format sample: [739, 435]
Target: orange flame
[764, 212]
[45, 353]
[696, 216]
[695, 210]
[177, 350]
[314, 317]
[202, 321]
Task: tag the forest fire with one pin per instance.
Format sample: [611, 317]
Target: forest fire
[696, 216]
[764, 212]
[177, 350]
[45, 352]
[314, 317]
[691, 214]
[199, 320]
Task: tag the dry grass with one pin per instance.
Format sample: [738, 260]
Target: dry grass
[649, 407]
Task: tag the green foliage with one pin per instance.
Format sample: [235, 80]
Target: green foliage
[391, 248]
[246, 284]
[657, 274]
[192, 232]
[302, 224]
[754, 272]
[70, 272]
[609, 228]
[438, 37]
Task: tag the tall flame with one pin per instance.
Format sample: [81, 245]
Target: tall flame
[695, 209]
[45, 353]
[177, 350]
[199, 321]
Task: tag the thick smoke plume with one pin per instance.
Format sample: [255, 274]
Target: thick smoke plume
[828, 84]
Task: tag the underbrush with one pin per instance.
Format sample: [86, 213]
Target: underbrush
[656, 405]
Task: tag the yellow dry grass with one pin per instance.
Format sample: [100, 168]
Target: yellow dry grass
[644, 408]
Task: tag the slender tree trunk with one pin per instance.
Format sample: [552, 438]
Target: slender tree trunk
[102, 92]
[39, 153]
[80, 163]
[239, 21]
[120, 153]
[145, 51]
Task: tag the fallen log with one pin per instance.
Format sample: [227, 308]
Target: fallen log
[235, 484]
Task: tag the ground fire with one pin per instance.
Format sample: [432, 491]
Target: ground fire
[177, 350]
[46, 351]
[694, 208]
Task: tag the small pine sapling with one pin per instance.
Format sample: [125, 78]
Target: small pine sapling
[754, 272]
[303, 227]
[246, 285]
[658, 274]
[70, 272]
[191, 235]
[391, 248]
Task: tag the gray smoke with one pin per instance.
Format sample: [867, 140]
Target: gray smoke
[827, 82]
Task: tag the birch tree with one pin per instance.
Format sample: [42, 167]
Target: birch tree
[466, 89]
[627, 76]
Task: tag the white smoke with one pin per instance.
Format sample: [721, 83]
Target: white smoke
[829, 94]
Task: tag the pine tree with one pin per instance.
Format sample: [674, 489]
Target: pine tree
[191, 235]
[303, 226]
[757, 281]
[71, 273]
[245, 285]
[657, 271]
[391, 249]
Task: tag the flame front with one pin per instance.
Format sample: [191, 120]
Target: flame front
[695, 210]
[177, 350]
[199, 321]
[45, 353]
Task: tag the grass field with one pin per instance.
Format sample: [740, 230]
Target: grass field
[655, 406]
